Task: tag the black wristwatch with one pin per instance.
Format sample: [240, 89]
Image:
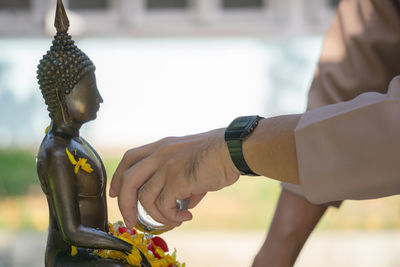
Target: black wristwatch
[236, 132]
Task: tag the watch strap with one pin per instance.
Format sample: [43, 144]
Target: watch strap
[235, 150]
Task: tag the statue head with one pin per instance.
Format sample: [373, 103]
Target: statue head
[66, 77]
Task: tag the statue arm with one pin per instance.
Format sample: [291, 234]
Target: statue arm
[64, 201]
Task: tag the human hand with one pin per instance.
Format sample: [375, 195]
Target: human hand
[171, 169]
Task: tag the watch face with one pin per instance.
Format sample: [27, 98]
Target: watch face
[241, 127]
[239, 124]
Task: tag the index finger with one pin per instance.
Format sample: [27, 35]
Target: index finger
[130, 157]
[132, 179]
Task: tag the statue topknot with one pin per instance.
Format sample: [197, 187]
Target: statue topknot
[61, 21]
[63, 65]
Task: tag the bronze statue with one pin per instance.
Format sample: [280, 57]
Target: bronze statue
[71, 173]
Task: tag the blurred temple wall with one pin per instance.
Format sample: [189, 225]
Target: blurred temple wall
[171, 17]
[163, 57]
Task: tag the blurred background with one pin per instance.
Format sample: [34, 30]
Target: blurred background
[176, 67]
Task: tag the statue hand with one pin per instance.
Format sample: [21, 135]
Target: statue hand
[173, 168]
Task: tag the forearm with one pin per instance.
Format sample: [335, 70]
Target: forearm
[190, 166]
[293, 222]
[271, 150]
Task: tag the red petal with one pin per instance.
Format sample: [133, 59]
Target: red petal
[122, 230]
[132, 232]
[159, 242]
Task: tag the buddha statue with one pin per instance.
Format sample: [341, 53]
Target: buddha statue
[71, 173]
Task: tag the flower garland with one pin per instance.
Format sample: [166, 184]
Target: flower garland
[153, 247]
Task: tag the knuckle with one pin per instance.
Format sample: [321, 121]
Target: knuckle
[162, 142]
[168, 144]
[167, 139]
[130, 154]
[127, 154]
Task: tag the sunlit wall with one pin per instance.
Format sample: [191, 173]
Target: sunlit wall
[158, 87]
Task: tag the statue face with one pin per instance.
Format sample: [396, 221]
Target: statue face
[84, 100]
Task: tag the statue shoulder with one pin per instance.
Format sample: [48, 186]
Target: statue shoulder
[51, 157]
[53, 148]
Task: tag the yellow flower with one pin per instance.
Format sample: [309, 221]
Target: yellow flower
[81, 163]
[127, 236]
[159, 263]
[111, 228]
[71, 157]
[85, 166]
[134, 258]
[126, 239]
[47, 129]
[138, 239]
[74, 251]
[160, 252]
[170, 260]
[101, 253]
[117, 255]
[142, 243]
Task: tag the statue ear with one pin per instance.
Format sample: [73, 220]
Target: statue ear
[63, 106]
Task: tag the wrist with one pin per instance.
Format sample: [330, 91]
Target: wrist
[232, 173]
[252, 146]
[235, 134]
[227, 157]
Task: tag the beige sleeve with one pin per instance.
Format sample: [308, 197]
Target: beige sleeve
[350, 150]
[298, 191]
[360, 54]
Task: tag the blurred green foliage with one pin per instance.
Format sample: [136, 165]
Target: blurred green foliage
[17, 171]
[111, 164]
[247, 204]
